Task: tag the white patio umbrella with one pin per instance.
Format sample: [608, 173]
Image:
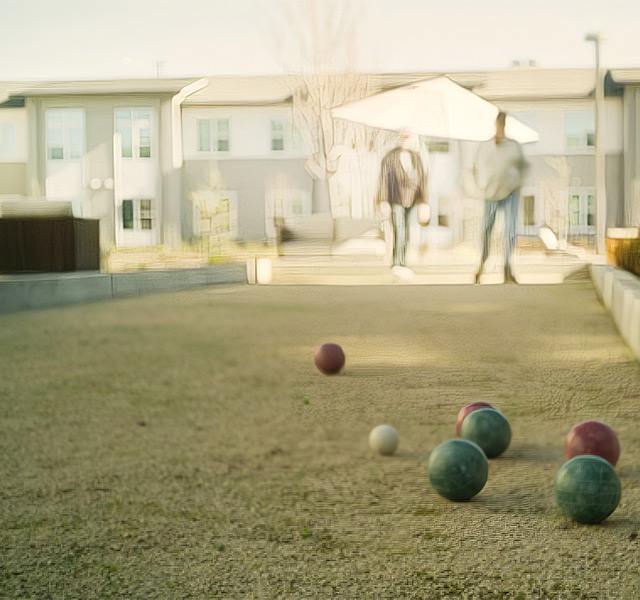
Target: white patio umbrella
[436, 108]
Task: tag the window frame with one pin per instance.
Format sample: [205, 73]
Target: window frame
[538, 211]
[136, 132]
[273, 130]
[583, 146]
[138, 214]
[583, 193]
[66, 143]
[214, 135]
[6, 154]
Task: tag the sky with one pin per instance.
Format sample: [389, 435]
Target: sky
[103, 39]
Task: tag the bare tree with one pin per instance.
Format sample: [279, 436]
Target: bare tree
[316, 43]
[555, 194]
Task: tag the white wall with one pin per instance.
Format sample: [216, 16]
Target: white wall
[249, 132]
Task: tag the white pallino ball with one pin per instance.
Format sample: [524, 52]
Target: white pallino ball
[384, 439]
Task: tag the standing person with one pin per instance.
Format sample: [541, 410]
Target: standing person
[402, 193]
[498, 174]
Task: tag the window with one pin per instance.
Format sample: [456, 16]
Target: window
[123, 127]
[285, 135]
[216, 212]
[134, 127]
[580, 129]
[297, 205]
[591, 210]
[582, 210]
[530, 211]
[8, 141]
[277, 134]
[528, 214]
[530, 119]
[437, 146]
[65, 136]
[55, 137]
[282, 204]
[204, 135]
[145, 139]
[213, 135]
[145, 214]
[223, 135]
[127, 214]
[137, 214]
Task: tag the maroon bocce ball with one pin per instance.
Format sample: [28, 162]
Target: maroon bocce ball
[465, 410]
[329, 359]
[592, 437]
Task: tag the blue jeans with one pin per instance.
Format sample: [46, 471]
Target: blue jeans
[510, 207]
[401, 218]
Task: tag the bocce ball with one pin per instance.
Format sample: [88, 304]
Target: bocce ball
[384, 439]
[458, 469]
[592, 437]
[587, 488]
[465, 410]
[329, 359]
[489, 429]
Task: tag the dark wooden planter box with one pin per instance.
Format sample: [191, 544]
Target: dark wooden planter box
[624, 253]
[49, 244]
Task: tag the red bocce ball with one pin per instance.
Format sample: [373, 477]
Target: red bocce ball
[465, 410]
[329, 359]
[592, 437]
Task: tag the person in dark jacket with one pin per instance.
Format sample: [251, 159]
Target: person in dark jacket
[402, 194]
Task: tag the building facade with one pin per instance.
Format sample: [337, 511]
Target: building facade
[163, 161]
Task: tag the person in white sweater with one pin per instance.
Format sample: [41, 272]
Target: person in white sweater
[498, 172]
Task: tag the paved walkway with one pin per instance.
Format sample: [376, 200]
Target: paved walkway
[454, 267]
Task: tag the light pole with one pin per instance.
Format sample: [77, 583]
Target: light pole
[601, 191]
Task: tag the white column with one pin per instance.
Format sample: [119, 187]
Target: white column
[601, 194]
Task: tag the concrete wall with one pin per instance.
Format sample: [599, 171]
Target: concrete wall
[250, 179]
[619, 291]
[47, 290]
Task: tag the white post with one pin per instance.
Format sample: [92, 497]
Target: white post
[601, 190]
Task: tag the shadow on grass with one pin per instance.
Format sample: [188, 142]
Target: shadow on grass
[397, 370]
[615, 523]
[629, 472]
[534, 453]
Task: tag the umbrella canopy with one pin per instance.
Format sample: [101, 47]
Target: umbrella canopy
[436, 108]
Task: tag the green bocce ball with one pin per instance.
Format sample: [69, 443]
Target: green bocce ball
[458, 469]
[587, 488]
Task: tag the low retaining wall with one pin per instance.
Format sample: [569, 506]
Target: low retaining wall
[619, 291]
[45, 290]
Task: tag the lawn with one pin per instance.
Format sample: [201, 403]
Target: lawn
[185, 446]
